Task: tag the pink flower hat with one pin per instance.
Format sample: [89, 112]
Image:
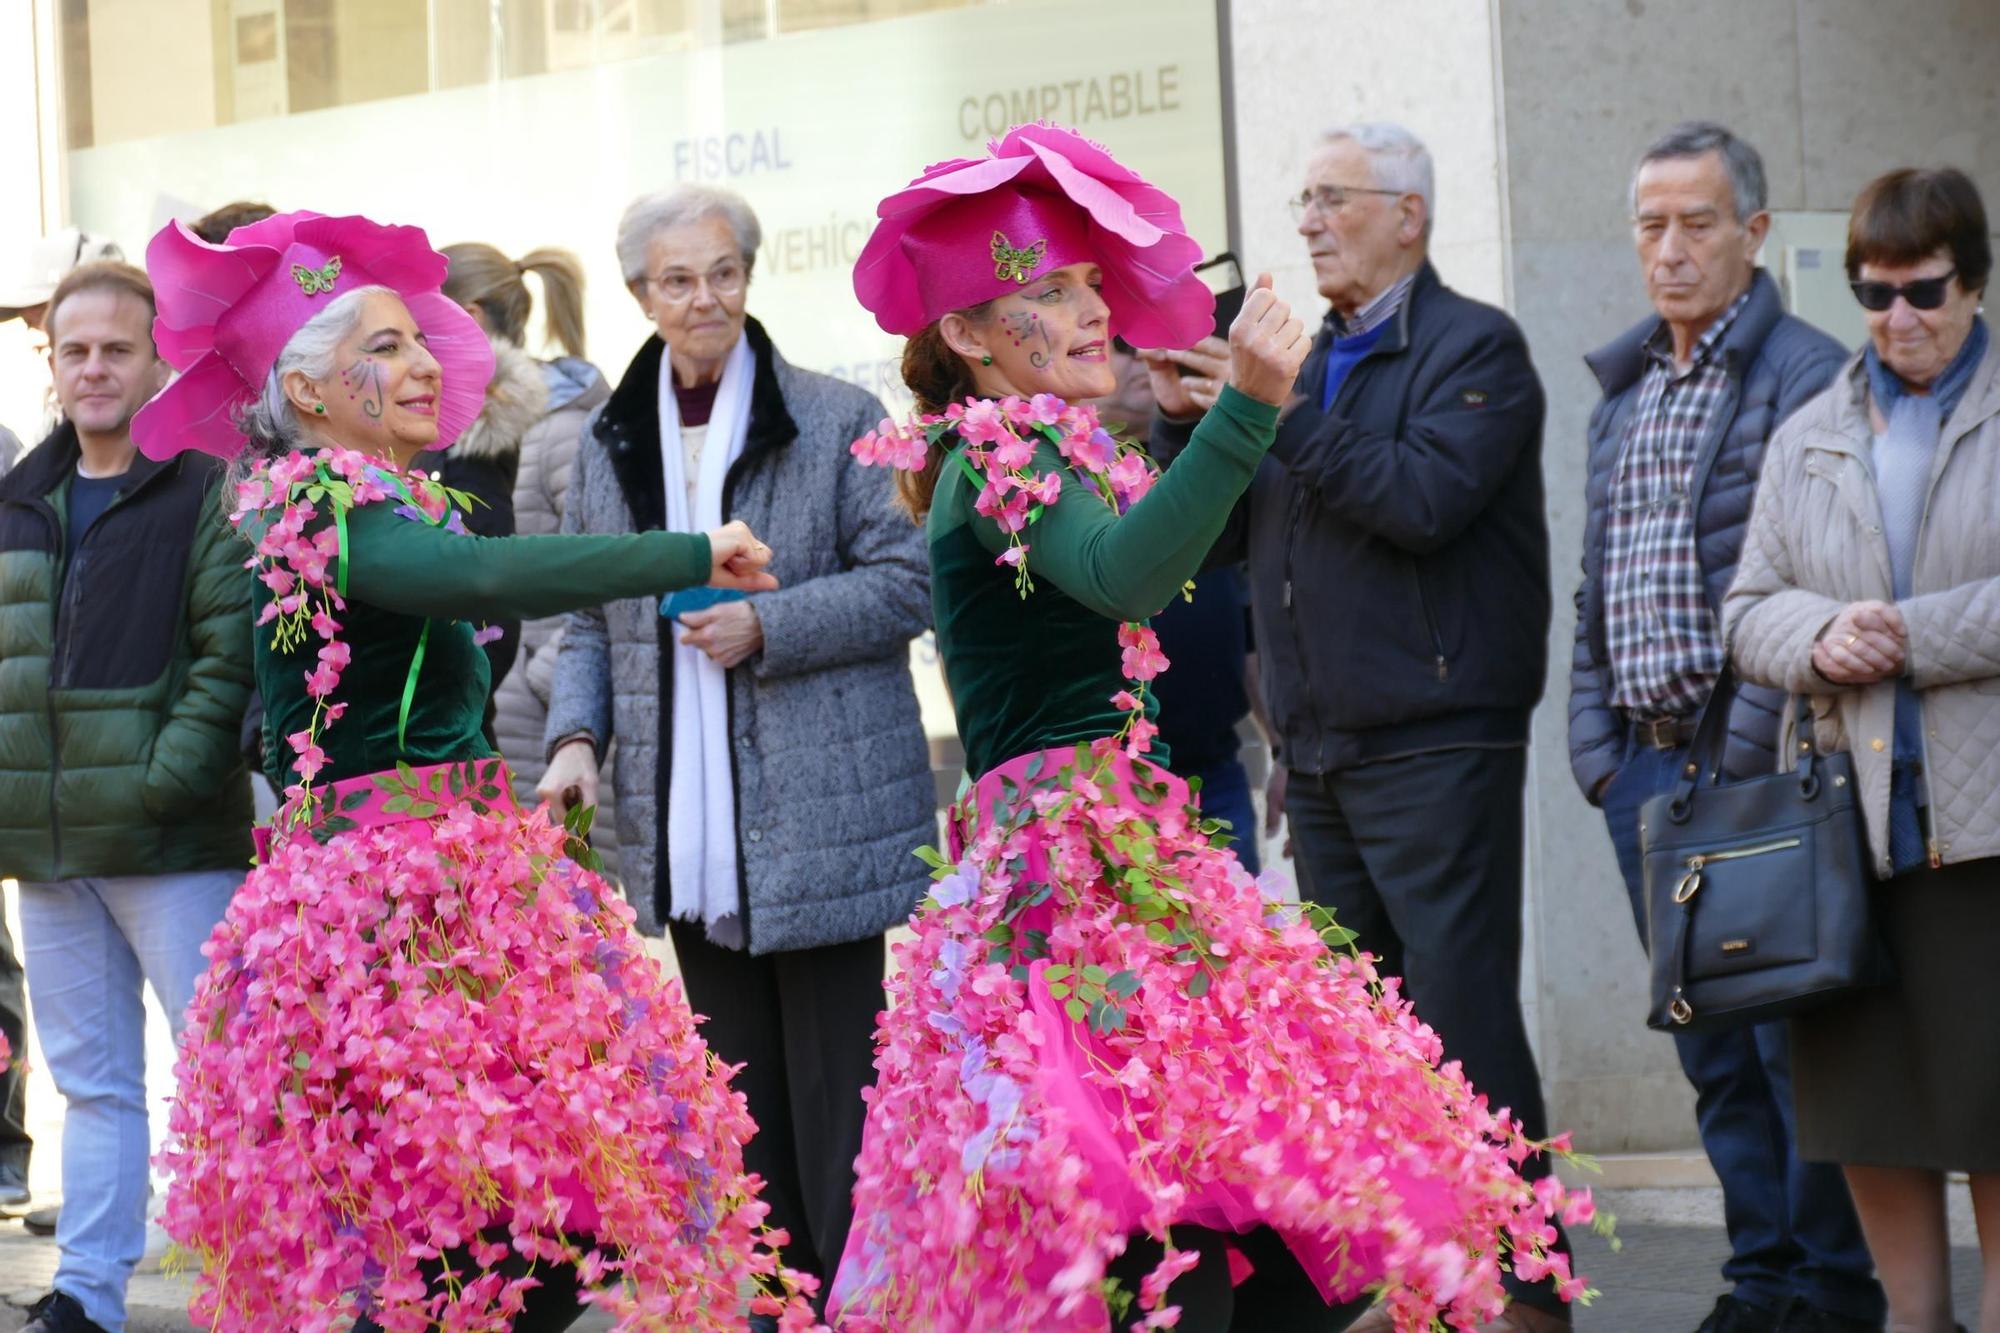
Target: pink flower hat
[227, 311]
[969, 230]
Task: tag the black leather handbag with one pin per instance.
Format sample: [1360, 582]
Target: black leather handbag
[1757, 892]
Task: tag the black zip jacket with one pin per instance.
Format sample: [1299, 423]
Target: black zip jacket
[1397, 544]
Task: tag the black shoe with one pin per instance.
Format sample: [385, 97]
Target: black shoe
[1803, 1318]
[14, 1195]
[42, 1222]
[59, 1313]
[1733, 1314]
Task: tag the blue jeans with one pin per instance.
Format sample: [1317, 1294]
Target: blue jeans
[1225, 794]
[1792, 1229]
[93, 944]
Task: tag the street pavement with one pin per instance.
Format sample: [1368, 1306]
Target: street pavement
[1662, 1278]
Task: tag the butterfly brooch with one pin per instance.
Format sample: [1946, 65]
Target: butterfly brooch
[1018, 265]
[315, 281]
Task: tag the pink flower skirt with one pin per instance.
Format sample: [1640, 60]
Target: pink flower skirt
[424, 1027]
[1103, 1027]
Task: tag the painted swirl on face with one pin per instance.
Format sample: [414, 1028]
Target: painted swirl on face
[363, 380]
[1026, 326]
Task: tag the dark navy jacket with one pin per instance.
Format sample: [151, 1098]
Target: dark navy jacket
[1397, 544]
[1775, 362]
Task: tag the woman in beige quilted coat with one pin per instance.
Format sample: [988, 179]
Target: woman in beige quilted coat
[490, 285]
[1870, 582]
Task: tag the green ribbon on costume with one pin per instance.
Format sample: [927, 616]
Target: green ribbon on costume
[979, 482]
[971, 472]
[410, 687]
[340, 583]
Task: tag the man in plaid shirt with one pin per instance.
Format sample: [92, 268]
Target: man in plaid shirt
[1691, 394]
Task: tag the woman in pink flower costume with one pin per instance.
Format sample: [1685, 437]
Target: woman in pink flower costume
[430, 1079]
[1116, 1081]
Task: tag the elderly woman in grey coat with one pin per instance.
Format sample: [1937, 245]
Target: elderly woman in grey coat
[773, 774]
[1870, 581]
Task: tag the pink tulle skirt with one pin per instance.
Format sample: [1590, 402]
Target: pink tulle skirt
[426, 1029]
[1103, 1027]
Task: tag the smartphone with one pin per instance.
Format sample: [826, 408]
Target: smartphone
[677, 604]
[1224, 276]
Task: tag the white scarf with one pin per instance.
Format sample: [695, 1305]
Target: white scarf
[701, 798]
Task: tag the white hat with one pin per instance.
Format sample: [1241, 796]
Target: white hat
[32, 281]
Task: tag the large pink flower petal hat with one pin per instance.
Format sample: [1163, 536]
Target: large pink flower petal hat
[1043, 198]
[226, 312]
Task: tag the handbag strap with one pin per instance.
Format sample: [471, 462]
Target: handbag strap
[1678, 1008]
[1711, 736]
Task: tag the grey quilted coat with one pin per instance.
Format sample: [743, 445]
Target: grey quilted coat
[1815, 544]
[572, 390]
[833, 782]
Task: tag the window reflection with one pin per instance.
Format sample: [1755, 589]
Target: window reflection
[227, 61]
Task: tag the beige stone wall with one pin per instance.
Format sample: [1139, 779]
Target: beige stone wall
[1304, 66]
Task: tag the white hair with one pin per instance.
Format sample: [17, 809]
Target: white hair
[650, 214]
[269, 422]
[1398, 159]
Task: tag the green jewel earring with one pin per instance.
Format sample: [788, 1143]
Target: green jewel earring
[985, 360]
[320, 408]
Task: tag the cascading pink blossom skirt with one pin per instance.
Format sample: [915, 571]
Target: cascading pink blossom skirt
[1103, 1027]
[424, 1027]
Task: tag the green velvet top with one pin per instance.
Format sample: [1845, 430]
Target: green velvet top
[1038, 672]
[400, 572]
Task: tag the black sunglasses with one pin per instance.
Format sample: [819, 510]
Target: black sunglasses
[1923, 294]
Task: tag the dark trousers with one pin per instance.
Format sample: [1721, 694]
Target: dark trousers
[1276, 1295]
[15, 1144]
[1421, 858]
[1792, 1230]
[802, 1024]
[1225, 794]
[549, 1308]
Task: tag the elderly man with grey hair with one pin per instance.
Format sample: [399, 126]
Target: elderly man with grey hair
[1691, 394]
[773, 774]
[1398, 560]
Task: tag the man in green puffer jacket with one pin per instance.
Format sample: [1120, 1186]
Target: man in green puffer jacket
[125, 648]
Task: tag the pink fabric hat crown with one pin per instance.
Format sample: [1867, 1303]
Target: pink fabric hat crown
[226, 312]
[1045, 197]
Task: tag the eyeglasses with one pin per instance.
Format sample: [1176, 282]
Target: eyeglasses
[1327, 200]
[677, 285]
[1923, 294]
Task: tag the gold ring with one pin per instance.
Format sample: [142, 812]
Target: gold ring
[1851, 639]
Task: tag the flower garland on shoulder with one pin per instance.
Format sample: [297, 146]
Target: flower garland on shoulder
[1000, 436]
[305, 567]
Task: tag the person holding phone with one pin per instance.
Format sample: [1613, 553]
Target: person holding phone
[1399, 575]
[1115, 1078]
[773, 772]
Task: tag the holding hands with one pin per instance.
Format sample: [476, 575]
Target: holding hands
[739, 559]
[731, 632]
[1866, 642]
[1267, 345]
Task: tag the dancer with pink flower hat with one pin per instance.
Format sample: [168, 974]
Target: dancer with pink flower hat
[431, 1079]
[1115, 1079]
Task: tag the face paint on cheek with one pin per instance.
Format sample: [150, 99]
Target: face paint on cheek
[1025, 327]
[364, 378]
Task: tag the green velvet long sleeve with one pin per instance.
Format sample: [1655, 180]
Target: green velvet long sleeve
[1035, 672]
[1127, 568]
[414, 588]
[414, 569]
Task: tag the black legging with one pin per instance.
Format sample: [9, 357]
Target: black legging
[1278, 1295]
[551, 1307]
